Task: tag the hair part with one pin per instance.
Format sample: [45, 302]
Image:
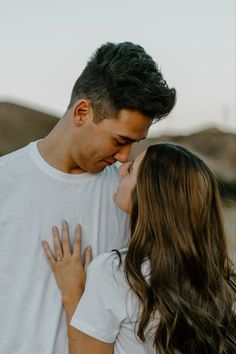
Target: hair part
[123, 76]
[177, 225]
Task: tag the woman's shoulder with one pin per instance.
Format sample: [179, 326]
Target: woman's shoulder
[108, 259]
[109, 265]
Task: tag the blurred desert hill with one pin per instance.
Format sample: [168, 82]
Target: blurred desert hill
[20, 125]
[216, 148]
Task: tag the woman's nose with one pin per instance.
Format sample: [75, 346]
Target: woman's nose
[123, 168]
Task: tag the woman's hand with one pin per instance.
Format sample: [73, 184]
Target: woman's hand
[67, 266]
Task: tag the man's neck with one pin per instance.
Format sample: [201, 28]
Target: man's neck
[55, 150]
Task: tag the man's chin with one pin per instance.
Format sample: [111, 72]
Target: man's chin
[96, 169]
[99, 167]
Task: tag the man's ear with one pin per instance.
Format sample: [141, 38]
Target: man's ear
[82, 109]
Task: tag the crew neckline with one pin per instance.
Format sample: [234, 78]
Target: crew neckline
[54, 172]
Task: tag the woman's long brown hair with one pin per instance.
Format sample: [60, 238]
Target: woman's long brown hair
[177, 226]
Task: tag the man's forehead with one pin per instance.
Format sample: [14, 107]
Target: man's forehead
[129, 127]
[132, 129]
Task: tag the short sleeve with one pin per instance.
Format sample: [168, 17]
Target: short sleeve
[102, 307]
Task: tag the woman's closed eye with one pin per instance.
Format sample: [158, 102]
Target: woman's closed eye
[130, 166]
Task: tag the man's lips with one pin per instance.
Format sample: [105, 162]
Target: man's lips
[110, 162]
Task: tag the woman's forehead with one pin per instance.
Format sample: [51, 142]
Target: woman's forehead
[138, 160]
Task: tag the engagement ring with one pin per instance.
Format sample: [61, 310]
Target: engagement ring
[59, 258]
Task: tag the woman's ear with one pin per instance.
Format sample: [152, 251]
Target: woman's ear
[82, 109]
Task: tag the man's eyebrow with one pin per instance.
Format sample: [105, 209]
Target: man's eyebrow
[126, 138]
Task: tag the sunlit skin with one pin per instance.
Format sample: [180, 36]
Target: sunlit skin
[77, 144]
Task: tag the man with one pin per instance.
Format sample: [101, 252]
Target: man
[71, 175]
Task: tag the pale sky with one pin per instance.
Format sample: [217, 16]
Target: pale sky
[45, 45]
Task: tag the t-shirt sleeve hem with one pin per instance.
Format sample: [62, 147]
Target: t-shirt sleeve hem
[93, 332]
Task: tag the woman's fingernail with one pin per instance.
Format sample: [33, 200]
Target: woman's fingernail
[89, 248]
[64, 223]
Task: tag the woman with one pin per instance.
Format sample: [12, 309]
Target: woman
[172, 290]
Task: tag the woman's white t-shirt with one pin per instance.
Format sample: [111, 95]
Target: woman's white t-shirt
[108, 309]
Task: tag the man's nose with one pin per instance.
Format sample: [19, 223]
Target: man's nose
[123, 153]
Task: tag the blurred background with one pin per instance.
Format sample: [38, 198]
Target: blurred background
[45, 46]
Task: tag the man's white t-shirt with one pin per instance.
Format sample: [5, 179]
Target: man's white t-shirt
[34, 196]
[108, 309]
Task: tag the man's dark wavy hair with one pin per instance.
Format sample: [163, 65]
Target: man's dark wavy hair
[123, 76]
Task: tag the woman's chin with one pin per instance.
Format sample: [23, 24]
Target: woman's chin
[120, 205]
[114, 197]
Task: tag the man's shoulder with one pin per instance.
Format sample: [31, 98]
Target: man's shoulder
[14, 156]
